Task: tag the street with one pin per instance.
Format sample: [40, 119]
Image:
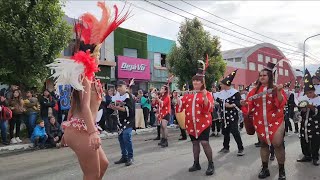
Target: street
[153, 162]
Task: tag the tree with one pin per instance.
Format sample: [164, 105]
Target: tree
[32, 34]
[194, 44]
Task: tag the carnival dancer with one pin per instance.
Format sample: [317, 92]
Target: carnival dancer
[198, 107]
[267, 102]
[229, 99]
[164, 110]
[310, 124]
[80, 131]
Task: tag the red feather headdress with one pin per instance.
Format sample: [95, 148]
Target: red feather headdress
[94, 31]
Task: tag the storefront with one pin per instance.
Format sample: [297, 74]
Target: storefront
[137, 68]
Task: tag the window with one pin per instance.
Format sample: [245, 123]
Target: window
[260, 57]
[157, 59]
[241, 87]
[260, 67]
[274, 60]
[237, 60]
[281, 63]
[230, 59]
[280, 71]
[130, 52]
[163, 60]
[267, 59]
[252, 66]
[286, 72]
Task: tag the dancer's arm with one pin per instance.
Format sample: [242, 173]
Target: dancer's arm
[85, 106]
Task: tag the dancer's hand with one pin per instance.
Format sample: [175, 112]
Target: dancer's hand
[279, 87]
[94, 141]
[243, 102]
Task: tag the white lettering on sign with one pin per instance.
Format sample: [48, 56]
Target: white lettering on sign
[133, 67]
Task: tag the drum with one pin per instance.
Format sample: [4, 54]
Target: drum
[181, 118]
[248, 124]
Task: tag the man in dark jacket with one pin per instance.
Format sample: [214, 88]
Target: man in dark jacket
[126, 114]
[54, 132]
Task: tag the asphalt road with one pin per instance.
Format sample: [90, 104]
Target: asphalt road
[155, 163]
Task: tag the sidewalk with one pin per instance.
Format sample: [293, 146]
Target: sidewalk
[16, 148]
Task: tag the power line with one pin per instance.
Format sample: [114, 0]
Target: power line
[300, 60]
[213, 22]
[236, 24]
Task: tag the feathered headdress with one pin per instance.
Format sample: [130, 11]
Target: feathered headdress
[90, 33]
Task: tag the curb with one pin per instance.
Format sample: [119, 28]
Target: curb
[27, 147]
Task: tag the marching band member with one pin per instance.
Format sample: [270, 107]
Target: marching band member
[198, 108]
[229, 99]
[288, 109]
[268, 101]
[164, 110]
[310, 124]
[216, 117]
[316, 81]
[294, 113]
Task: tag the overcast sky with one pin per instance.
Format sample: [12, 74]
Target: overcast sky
[290, 22]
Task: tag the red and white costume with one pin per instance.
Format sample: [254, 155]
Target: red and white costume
[164, 107]
[198, 115]
[267, 113]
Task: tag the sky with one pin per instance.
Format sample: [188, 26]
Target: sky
[286, 24]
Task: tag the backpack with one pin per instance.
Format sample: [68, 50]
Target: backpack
[5, 113]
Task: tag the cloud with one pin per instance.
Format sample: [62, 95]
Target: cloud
[289, 22]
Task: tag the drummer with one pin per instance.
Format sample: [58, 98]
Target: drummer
[198, 108]
[310, 124]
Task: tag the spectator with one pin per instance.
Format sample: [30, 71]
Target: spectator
[46, 102]
[39, 136]
[54, 132]
[152, 94]
[17, 106]
[173, 105]
[3, 122]
[111, 121]
[10, 91]
[146, 107]
[32, 107]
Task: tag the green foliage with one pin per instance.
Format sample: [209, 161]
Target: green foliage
[194, 44]
[32, 34]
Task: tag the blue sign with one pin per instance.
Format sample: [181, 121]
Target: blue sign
[65, 97]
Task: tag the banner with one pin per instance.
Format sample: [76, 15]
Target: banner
[65, 97]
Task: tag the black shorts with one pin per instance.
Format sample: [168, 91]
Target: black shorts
[204, 136]
[167, 117]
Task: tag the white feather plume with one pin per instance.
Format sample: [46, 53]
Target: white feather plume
[67, 72]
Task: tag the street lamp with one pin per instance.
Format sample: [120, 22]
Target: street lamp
[304, 54]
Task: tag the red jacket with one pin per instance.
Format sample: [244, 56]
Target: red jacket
[267, 113]
[198, 116]
[164, 107]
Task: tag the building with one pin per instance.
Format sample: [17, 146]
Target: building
[130, 50]
[158, 49]
[250, 60]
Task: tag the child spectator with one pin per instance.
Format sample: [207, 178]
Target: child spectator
[39, 136]
[54, 132]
